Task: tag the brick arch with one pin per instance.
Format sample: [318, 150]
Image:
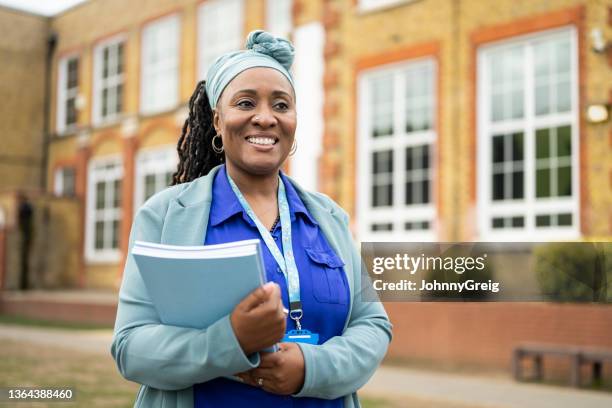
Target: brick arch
[103, 138]
[167, 124]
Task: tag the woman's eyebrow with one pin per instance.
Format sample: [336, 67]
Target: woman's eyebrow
[254, 92]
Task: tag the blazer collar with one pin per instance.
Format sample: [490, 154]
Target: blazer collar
[188, 213]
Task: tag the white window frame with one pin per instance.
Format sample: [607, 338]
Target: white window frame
[209, 49]
[529, 206]
[165, 70]
[154, 160]
[94, 175]
[399, 213]
[279, 17]
[59, 189]
[98, 84]
[63, 94]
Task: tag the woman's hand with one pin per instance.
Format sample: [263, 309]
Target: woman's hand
[279, 373]
[259, 320]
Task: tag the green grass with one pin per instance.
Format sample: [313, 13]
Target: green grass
[93, 377]
[27, 321]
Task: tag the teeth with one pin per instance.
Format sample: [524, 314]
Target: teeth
[261, 140]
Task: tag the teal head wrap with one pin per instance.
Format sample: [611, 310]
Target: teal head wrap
[262, 50]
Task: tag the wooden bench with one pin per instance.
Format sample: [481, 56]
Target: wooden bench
[578, 357]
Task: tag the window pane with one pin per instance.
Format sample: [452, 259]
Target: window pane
[542, 143]
[564, 141]
[543, 221]
[498, 148]
[72, 80]
[543, 183]
[119, 68]
[517, 147]
[517, 185]
[498, 186]
[497, 222]
[563, 96]
[117, 193]
[99, 234]
[100, 195]
[425, 191]
[70, 111]
[409, 194]
[564, 180]
[382, 227]
[542, 103]
[382, 106]
[119, 99]
[115, 234]
[149, 185]
[518, 222]
[105, 62]
[382, 195]
[565, 220]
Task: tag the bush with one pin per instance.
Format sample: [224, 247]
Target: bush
[575, 271]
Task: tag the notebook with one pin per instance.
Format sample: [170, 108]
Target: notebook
[194, 286]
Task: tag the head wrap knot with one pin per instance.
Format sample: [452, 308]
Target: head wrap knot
[262, 50]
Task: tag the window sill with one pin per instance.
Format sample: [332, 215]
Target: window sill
[362, 10]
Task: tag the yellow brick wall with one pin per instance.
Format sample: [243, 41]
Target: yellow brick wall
[23, 42]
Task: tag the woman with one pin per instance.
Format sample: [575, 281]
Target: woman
[229, 187]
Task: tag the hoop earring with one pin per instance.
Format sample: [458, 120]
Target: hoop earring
[216, 149]
[293, 148]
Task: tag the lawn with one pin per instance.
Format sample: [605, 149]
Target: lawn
[96, 382]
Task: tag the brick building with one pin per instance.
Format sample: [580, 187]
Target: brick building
[425, 119]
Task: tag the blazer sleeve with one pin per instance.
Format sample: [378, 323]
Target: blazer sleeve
[345, 363]
[163, 356]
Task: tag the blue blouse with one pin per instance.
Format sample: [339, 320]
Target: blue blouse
[324, 289]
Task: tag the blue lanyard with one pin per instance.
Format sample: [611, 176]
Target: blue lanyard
[285, 261]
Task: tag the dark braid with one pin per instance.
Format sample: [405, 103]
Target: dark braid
[196, 156]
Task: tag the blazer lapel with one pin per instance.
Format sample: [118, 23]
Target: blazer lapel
[188, 213]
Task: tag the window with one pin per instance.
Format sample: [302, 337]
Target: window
[109, 77]
[67, 93]
[159, 61]
[396, 138]
[220, 29]
[64, 182]
[154, 170]
[528, 138]
[279, 17]
[104, 209]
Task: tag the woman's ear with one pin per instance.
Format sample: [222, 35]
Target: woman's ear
[216, 120]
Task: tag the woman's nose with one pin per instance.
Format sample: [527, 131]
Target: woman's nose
[264, 118]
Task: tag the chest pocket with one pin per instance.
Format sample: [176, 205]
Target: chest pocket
[328, 280]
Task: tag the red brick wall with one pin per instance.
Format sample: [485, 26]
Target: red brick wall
[485, 333]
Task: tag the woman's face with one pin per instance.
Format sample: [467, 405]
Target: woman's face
[256, 119]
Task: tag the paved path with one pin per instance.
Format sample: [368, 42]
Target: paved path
[388, 382]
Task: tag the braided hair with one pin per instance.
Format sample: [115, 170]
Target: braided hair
[196, 156]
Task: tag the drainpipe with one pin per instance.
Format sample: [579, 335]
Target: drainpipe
[51, 43]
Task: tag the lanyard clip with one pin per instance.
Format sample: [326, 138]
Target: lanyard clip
[296, 314]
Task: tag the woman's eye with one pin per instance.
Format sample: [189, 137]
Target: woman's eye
[282, 106]
[245, 104]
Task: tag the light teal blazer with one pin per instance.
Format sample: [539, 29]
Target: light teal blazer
[169, 360]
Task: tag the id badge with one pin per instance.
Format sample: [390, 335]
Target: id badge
[301, 336]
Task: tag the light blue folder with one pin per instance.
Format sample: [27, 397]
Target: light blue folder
[194, 286]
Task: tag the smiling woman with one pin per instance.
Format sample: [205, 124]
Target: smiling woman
[229, 187]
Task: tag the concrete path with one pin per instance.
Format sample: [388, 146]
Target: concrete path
[388, 382]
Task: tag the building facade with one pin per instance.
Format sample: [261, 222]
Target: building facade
[425, 119]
